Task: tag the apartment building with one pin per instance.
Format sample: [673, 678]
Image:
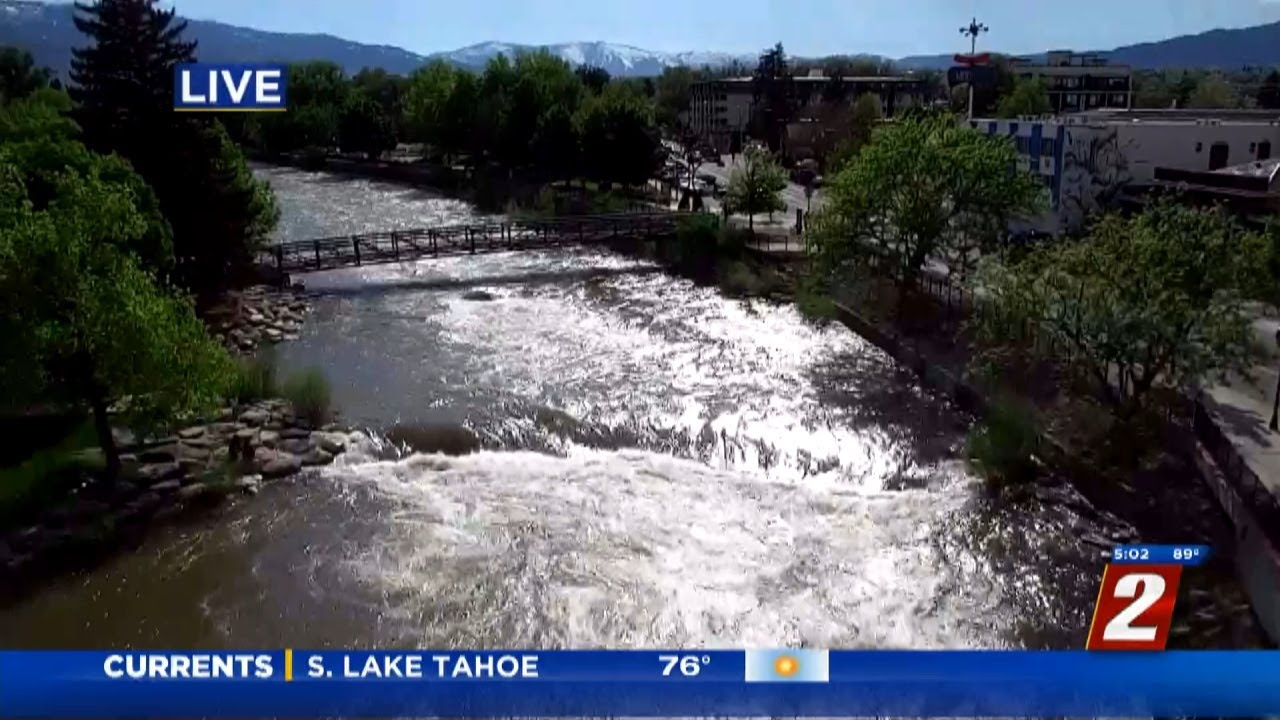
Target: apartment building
[1087, 160]
[1079, 81]
[720, 110]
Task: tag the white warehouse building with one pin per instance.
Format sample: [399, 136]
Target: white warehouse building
[1088, 159]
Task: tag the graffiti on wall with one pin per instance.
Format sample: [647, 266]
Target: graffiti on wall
[1095, 171]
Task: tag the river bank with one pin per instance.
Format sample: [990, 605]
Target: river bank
[1154, 483]
[648, 463]
[489, 192]
[163, 479]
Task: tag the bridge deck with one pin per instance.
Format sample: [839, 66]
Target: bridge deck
[405, 245]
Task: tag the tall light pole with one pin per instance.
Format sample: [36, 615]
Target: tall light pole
[972, 31]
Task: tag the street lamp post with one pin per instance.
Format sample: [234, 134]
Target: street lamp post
[1275, 402]
[972, 31]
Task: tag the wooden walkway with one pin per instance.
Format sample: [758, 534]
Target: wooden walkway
[405, 245]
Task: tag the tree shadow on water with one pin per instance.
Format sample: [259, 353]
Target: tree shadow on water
[868, 391]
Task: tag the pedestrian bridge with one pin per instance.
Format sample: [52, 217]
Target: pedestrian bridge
[404, 245]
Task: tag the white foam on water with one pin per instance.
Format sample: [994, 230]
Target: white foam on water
[639, 549]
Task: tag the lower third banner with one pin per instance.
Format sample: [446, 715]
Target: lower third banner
[302, 683]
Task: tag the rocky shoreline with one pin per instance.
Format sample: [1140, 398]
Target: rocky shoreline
[235, 452]
[259, 315]
[242, 448]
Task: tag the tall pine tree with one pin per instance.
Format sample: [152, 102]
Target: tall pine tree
[774, 95]
[123, 84]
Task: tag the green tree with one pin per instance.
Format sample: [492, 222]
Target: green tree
[1151, 90]
[1153, 299]
[1269, 93]
[864, 117]
[593, 78]
[755, 186]
[1213, 92]
[457, 133]
[83, 321]
[123, 84]
[363, 128]
[545, 94]
[387, 90]
[618, 136]
[40, 143]
[1029, 97]
[673, 91]
[19, 76]
[426, 101]
[924, 187]
[774, 92]
[493, 108]
[319, 82]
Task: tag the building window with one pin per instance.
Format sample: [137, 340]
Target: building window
[1073, 99]
[1264, 150]
[1219, 154]
[1046, 146]
[1117, 99]
[1023, 144]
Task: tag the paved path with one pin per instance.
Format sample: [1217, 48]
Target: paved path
[1243, 408]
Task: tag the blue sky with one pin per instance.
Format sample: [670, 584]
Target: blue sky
[806, 27]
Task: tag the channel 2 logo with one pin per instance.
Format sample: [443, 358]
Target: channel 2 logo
[1135, 607]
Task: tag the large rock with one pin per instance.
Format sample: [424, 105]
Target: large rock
[203, 443]
[280, 465]
[294, 433]
[191, 432]
[254, 416]
[296, 446]
[194, 490]
[159, 472]
[477, 295]
[445, 439]
[268, 438]
[167, 486]
[192, 466]
[223, 430]
[317, 457]
[165, 454]
[330, 442]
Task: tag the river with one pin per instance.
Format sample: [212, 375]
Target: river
[659, 466]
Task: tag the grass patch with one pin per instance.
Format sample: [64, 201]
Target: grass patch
[45, 478]
[814, 301]
[741, 279]
[309, 394]
[255, 379]
[1004, 445]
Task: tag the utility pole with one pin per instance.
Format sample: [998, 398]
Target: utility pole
[972, 32]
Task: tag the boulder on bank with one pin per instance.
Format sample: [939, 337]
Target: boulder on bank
[477, 295]
[445, 439]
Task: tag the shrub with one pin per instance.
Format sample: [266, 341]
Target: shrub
[1003, 446]
[738, 279]
[814, 301]
[309, 395]
[733, 242]
[255, 379]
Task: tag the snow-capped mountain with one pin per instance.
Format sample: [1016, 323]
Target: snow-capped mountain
[618, 60]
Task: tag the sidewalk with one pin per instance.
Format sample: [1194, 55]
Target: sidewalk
[1243, 407]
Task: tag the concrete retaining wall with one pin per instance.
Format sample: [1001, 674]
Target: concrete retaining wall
[1257, 561]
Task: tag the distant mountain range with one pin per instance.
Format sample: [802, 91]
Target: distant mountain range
[47, 31]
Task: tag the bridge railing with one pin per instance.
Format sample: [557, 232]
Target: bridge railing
[393, 246]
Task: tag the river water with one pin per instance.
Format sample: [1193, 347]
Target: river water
[659, 466]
